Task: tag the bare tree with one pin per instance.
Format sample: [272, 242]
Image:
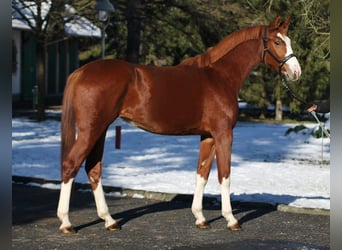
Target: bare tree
[46, 22]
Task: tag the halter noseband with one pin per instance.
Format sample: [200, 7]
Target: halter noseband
[266, 50]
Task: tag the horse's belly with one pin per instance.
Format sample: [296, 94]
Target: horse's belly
[163, 127]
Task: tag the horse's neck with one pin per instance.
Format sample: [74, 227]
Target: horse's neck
[230, 42]
[237, 64]
[213, 54]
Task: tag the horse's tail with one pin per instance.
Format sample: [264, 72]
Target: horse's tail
[68, 124]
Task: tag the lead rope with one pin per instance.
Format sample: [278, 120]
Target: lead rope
[321, 124]
[323, 131]
[313, 113]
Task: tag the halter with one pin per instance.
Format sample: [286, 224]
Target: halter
[266, 50]
[281, 64]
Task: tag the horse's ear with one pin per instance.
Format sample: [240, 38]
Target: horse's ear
[276, 23]
[285, 24]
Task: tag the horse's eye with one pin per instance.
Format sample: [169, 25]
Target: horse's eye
[277, 43]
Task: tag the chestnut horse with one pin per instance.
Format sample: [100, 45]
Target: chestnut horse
[196, 97]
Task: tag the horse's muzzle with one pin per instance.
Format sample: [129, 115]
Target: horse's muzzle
[291, 70]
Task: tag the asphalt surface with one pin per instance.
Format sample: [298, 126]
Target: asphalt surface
[153, 224]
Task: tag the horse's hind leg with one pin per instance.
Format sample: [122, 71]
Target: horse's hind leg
[93, 167]
[63, 207]
[70, 168]
[206, 156]
[86, 140]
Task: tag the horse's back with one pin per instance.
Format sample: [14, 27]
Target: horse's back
[102, 72]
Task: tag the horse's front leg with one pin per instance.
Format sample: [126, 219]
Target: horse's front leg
[233, 224]
[223, 154]
[206, 156]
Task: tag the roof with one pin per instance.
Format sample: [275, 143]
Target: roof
[19, 24]
[75, 25]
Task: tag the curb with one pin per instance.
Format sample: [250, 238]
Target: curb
[187, 198]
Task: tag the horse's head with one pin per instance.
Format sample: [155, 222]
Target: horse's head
[278, 52]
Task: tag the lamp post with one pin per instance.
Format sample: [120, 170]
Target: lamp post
[105, 8]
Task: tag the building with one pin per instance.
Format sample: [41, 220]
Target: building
[61, 57]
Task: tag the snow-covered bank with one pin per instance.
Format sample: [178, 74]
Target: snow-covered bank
[267, 166]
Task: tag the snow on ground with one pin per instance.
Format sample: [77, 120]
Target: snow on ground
[267, 166]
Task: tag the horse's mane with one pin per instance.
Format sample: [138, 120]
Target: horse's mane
[223, 47]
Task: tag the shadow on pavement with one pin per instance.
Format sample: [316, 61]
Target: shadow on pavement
[32, 203]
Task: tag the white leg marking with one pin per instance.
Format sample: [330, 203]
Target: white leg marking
[101, 205]
[226, 206]
[196, 207]
[63, 204]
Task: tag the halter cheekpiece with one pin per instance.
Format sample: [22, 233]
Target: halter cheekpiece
[266, 50]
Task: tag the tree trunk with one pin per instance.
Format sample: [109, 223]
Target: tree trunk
[133, 30]
[279, 106]
[40, 66]
[262, 114]
[279, 110]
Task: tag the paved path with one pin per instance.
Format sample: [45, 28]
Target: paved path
[151, 224]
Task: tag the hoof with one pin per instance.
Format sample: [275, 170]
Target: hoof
[114, 227]
[235, 227]
[68, 230]
[203, 225]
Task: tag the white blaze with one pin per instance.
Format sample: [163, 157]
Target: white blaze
[293, 64]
